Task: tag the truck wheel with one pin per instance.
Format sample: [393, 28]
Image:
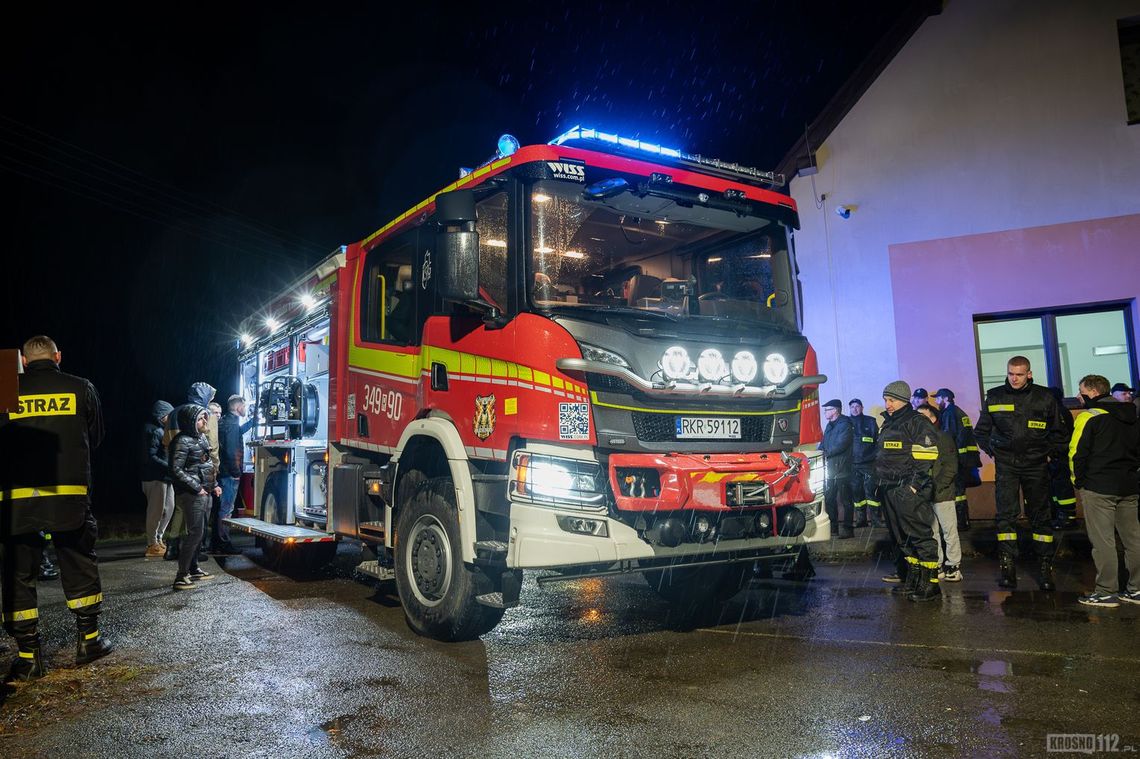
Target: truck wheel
[697, 593]
[436, 588]
[274, 504]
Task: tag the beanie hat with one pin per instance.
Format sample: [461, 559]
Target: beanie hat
[834, 403]
[898, 390]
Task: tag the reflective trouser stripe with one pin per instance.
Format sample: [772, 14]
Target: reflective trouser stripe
[968, 448]
[20, 616]
[860, 504]
[934, 578]
[27, 655]
[46, 490]
[929, 564]
[1064, 501]
[872, 503]
[1043, 538]
[91, 635]
[959, 498]
[1007, 536]
[911, 560]
[79, 603]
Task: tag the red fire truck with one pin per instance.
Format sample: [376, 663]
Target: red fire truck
[582, 357]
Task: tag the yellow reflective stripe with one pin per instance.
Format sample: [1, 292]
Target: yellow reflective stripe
[924, 452]
[1035, 425]
[27, 655]
[959, 498]
[594, 399]
[872, 503]
[1000, 407]
[79, 603]
[966, 421]
[1043, 538]
[1078, 431]
[1065, 501]
[860, 504]
[1007, 536]
[929, 564]
[42, 492]
[911, 560]
[968, 448]
[91, 635]
[20, 616]
[868, 440]
[934, 579]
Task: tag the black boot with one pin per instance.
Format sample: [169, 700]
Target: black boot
[910, 580]
[48, 570]
[90, 643]
[1047, 580]
[1008, 577]
[927, 587]
[962, 510]
[860, 516]
[29, 661]
[172, 549]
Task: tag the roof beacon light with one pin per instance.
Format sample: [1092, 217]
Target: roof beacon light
[507, 145]
[585, 134]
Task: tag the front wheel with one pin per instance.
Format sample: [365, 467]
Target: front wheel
[436, 588]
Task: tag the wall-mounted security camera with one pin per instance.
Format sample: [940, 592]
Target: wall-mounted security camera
[844, 212]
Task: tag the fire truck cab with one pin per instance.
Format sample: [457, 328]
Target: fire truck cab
[582, 357]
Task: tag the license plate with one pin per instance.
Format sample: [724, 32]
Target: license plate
[708, 427]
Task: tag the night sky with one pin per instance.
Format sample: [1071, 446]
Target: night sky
[164, 175]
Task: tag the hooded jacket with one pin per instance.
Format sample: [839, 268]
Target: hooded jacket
[1020, 428]
[956, 422]
[1104, 453]
[153, 463]
[230, 432]
[200, 394]
[190, 463]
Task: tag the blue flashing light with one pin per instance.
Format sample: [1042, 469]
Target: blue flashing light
[507, 145]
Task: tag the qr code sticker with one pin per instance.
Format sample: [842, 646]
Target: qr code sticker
[574, 421]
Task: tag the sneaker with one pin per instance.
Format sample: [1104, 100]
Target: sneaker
[1131, 596]
[183, 582]
[200, 574]
[893, 577]
[1099, 599]
[155, 551]
[950, 574]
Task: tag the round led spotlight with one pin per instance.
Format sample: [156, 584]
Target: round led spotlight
[744, 366]
[711, 365]
[775, 368]
[676, 364]
[507, 145]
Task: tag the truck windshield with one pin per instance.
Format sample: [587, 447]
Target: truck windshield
[652, 254]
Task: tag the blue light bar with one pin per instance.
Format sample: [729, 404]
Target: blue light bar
[580, 133]
[507, 145]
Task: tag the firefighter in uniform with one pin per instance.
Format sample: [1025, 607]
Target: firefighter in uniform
[863, 467]
[45, 482]
[1020, 427]
[957, 424]
[1060, 478]
[907, 449]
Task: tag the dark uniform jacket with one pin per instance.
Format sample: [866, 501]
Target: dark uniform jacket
[45, 451]
[907, 450]
[945, 468]
[230, 451]
[957, 423]
[1020, 427]
[153, 465]
[866, 431]
[1105, 451]
[836, 446]
[190, 461]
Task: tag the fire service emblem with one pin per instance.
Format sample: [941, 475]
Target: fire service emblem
[484, 416]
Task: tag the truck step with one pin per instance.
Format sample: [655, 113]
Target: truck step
[375, 569]
[494, 600]
[493, 547]
[281, 533]
[372, 528]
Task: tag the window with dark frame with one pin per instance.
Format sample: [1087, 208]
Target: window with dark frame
[1128, 33]
[1062, 345]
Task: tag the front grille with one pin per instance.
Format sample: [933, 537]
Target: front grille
[662, 428]
[609, 384]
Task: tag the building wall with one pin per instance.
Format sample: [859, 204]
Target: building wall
[996, 116]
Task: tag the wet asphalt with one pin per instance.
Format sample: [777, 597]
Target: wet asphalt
[257, 663]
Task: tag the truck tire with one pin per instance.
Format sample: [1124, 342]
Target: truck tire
[698, 593]
[274, 503]
[436, 588]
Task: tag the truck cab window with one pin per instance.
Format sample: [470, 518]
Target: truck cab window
[387, 297]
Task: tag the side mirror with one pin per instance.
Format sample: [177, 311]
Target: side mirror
[457, 246]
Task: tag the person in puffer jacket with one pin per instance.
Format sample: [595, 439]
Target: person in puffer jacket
[155, 472]
[195, 479]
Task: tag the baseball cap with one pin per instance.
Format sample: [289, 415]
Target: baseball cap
[855, 400]
[834, 403]
[919, 392]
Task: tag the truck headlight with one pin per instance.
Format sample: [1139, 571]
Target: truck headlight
[594, 353]
[676, 363]
[816, 471]
[556, 480]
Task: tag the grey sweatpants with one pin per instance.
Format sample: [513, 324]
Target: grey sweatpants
[946, 531]
[1106, 515]
[159, 509]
